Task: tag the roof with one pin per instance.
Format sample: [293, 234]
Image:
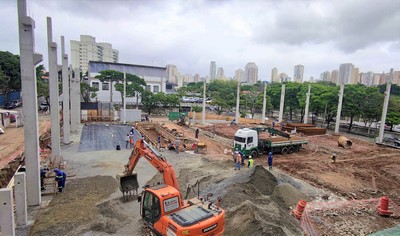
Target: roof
[139, 70]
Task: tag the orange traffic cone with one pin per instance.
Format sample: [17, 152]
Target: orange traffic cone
[298, 212]
[384, 207]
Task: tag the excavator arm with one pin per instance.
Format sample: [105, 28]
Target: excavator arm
[128, 181]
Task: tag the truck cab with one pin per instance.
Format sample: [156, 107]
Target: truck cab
[246, 141]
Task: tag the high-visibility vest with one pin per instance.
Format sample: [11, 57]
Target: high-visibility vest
[250, 163]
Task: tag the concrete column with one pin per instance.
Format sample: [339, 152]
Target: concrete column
[307, 104]
[73, 101]
[264, 102]
[237, 102]
[20, 198]
[65, 85]
[385, 107]
[339, 110]
[281, 106]
[204, 103]
[29, 92]
[7, 224]
[54, 101]
[124, 105]
[78, 95]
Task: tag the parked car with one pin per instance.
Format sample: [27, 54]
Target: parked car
[17, 102]
[44, 105]
[10, 105]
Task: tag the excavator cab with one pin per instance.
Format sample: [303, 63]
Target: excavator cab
[128, 183]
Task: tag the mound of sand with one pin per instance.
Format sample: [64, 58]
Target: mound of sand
[287, 195]
[263, 180]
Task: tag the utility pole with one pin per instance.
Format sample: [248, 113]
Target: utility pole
[264, 102]
[65, 86]
[124, 105]
[339, 111]
[237, 102]
[204, 102]
[307, 104]
[28, 60]
[281, 106]
[54, 101]
[385, 106]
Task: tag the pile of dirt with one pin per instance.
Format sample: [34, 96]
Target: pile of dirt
[77, 210]
[256, 205]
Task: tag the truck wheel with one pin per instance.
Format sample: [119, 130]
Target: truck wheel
[253, 154]
[284, 150]
[291, 150]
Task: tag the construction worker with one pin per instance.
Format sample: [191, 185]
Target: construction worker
[43, 172]
[333, 157]
[159, 142]
[196, 133]
[238, 160]
[127, 140]
[177, 142]
[250, 162]
[60, 178]
[270, 160]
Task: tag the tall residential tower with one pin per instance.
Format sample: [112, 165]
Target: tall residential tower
[88, 50]
[298, 73]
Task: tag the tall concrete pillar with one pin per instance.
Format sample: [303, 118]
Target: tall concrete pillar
[65, 86]
[281, 106]
[54, 96]
[29, 92]
[385, 106]
[264, 102]
[20, 198]
[204, 102]
[237, 102]
[73, 101]
[7, 223]
[307, 104]
[339, 110]
[124, 105]
[78, 95]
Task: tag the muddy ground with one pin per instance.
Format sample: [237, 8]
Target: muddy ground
[257, 202]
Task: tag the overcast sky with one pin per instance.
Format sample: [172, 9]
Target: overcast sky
[190, 34]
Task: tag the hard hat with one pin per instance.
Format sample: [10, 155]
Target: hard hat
[250, 157]
[56, 170]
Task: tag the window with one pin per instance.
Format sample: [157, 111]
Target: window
[240, 139]
[156, 88]
[105, 86]
[151, 208]
[169, 86]
[249, 139]
[148, 88]
[95, 85]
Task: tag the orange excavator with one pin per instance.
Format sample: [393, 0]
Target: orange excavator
[162, 207]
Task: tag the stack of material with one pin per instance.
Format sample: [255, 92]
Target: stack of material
[306, 129]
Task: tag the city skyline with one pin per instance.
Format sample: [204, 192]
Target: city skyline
[316, 34]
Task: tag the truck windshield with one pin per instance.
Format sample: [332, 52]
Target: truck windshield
[240, 139]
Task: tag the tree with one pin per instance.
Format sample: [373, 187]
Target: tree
[42, 86]
[134, 85]
[371, 108]
[10, 65]
[110, 76]
[4, 85]
[88, 92]
[353, 98]
[393, 115]
[149, 101]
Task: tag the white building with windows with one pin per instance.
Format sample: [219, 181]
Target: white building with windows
[274, 75]
[345, 73]
[298, 73]
[213, 71]
[251, 73]
[154, 76]
[87, 50]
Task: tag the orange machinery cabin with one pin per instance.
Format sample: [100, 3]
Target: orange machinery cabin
[161, 209]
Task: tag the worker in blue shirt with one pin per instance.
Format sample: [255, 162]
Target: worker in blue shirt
[60, 178]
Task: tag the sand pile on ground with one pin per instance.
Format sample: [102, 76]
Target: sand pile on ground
[256, 205]
[76, 210]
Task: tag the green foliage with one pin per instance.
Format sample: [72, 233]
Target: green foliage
[393, 115]
[10, 65]
[42, 86]
[88, 92]
[394, 89]
[4, 85]
[197, 108]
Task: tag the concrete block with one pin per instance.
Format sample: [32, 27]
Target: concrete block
[7, 223]
[20, 198]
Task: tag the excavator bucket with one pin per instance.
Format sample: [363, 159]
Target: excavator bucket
[128, 183]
